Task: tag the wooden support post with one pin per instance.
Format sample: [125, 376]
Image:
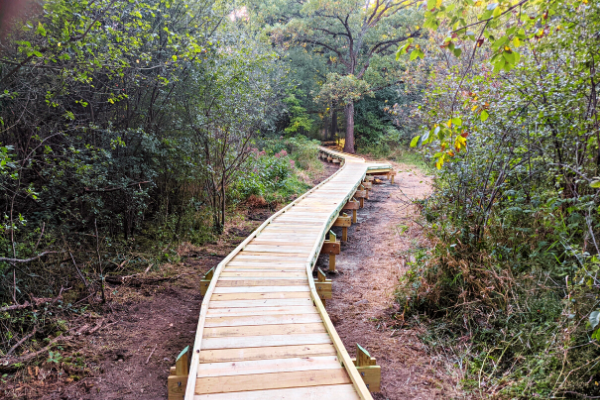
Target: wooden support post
[205, 282]
[331, 247]
[392, 174]
[329, 158]
[177, 380]
[353, 205]
[368, 369]
[343, 221]
[323, 286]
[360, 194]
[368, 187]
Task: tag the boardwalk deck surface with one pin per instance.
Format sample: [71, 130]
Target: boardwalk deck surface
[263, 332]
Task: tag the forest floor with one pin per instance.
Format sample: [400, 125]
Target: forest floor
[130, 356]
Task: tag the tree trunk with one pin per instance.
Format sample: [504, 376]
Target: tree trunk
[333, 129]
[349, 143]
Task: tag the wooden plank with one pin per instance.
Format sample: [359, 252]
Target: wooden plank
[264, 341]
[284, 248]
[260, 303]
[270, 274]
[263, 320]
[278, 380]
[260, 264]
[261, 289]
[268, 366]
[263, 330]
[255, 311]
[261, 281]
[333, 392]
[257, 296]
[266, 353]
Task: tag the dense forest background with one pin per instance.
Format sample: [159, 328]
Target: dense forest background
[127, 127]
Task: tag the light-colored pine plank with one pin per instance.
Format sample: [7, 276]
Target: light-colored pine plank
[261, 289]
[266, 353]
[271, 274]
[256, 296]
[286, 248]
[264, 341]
[245, 311]
[331, 392]
[268, 366]
[260, 303]
[261, 281]
[263, 320]
[238, 383]
[263, 330]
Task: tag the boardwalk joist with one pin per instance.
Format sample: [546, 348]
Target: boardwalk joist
[263, 331]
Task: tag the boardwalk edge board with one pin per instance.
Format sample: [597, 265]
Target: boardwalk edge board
[185, 387]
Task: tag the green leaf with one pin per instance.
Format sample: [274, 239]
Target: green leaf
[456, 121]
[415, 141]
[457, 52]
[41, 30]
[484, 115]
[595, 184]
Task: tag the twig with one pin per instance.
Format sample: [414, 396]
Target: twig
[20, 342]
[7, 366]
[117, 188]
[152, 352]
[148, 269]
[41, 234]
[34, 302]
[78, 270]
[99, 263]
[26, 260]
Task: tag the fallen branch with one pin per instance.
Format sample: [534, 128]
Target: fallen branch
[9, 364]
[135, 280]
[34, 302]
[20, 342]
[26, 260]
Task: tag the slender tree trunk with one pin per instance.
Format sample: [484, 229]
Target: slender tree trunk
[349, 144]
[333, 129]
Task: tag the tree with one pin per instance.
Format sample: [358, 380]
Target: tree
[352, 33]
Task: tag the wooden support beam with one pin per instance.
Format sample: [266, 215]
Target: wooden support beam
[177, 380]
[360, 194]
[368, 369]
[323, 286]
[353, 205]
[205, 282]
[343, 221]
[369, 178]
[331, 241]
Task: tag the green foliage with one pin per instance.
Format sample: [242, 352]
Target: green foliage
[299, 119]
[124, 126]
[515, 210]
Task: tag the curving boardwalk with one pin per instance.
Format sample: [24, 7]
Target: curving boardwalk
[263, 331]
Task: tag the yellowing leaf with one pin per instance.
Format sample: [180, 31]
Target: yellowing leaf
[474, 107]
[517, 42]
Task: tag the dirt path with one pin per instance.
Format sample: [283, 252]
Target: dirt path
[371, 264]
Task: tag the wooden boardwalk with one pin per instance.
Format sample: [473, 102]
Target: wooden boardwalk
[263, 331]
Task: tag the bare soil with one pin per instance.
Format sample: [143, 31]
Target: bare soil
[144, 329]
[370, 266]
